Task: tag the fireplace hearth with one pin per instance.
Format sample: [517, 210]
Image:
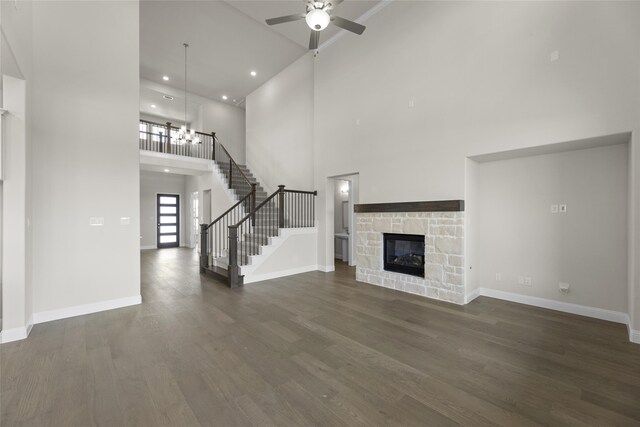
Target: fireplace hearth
[404, 253]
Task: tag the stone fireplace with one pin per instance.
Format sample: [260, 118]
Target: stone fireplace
[436, 228]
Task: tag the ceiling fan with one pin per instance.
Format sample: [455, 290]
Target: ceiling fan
[318, 17]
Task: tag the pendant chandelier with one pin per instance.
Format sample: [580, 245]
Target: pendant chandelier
[184, 134]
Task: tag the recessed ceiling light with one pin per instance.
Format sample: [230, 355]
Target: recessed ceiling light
[167, 170]
[253, 73]
[165, 78]
[225, 97]
[153, 105]
[235, 100]
[170, 98]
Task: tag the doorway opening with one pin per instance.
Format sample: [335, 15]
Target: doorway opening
[342, 195]
[168, 214]
[195, 220]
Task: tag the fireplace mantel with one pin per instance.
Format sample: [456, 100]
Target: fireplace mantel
[431, 206]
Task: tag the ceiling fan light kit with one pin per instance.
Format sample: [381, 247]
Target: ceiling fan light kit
[318, 19]
[318, 16]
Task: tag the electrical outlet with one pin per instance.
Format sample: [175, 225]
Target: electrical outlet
[563, 208]
[498, 277]
[527, 281]
[554, 208]
[520, 280]
[125, 220]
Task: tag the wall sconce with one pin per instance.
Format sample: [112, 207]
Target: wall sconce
[344, 188]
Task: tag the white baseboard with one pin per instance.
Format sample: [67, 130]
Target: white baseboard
[582, 310]
[327, 268]
[260, 277]
[471, 295]
[143, 248]
[79, 310]
[16, 334]
[634, 336]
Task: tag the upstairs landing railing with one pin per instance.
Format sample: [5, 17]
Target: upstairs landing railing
[163, 138]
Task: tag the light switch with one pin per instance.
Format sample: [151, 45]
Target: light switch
[554, 208]
[125, 220]
[96, 221]
[563, 208]
[555, 56]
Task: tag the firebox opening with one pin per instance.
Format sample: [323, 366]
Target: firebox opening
[404, 253]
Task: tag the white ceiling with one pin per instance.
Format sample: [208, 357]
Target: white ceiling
[227, 40]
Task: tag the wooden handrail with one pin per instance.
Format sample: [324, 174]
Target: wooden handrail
[233, 161]
[315, 193]
[228, 210]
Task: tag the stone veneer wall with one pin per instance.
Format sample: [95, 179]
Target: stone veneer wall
[444, 252]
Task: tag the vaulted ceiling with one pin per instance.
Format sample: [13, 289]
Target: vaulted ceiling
[227, 40]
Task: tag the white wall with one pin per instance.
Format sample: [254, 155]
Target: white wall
[228, 122]
[634, 235]
[221, 197]
[481, 81]
[280, 128]
[151, 184]
[85, 152]
[471, 238]
[293, 251]
[586, 246]
[16, 283]
[15, 190]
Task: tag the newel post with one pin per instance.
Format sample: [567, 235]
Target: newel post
[213, 146]
[167, 147]
[253, 203]
[234, 270]
[281, 206]
[204, 247]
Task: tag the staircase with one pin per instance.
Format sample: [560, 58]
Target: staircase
[257, 219]
[232, 239]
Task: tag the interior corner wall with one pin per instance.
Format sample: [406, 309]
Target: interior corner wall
[16, 284]
[85, 152]
[152, 184]
[471, 228]
[228, 122]
[519, 235]
[16, 79]
[280, 128]
[405, 105]
[634, 234]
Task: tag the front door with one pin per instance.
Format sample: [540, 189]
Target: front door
[168, 220]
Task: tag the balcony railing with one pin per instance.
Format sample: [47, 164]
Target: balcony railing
[163, 138]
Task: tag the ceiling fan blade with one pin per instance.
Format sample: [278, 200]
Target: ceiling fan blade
[314, 40]
[345, 24]
[283, 19]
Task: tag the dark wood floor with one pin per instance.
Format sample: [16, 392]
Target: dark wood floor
[316, 349]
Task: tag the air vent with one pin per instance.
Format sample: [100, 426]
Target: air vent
[170, 98]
